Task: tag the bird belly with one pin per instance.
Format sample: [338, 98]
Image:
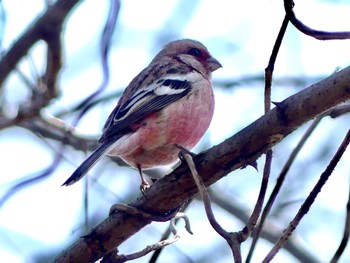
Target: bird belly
[183, 123]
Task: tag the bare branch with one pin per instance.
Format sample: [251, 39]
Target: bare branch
[318, 34]
[280, 181]
[246, 146]
[49, 127]
[166, 234]
[113, 257]
[339, 110]
[272, 60]
[229, 237]
[268, 161]
[270, 232]
[309, 200]
[53, 18]
[346, 234]
[48, 27]
[53, 60]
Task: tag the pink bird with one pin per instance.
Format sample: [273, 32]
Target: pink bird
[168, 104]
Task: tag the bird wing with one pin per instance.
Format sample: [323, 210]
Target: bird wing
[146, 100]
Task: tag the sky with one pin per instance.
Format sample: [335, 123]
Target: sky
[240, 34]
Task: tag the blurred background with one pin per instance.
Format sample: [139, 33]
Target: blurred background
[40, 219]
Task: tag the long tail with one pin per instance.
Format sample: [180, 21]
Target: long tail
[79, 173]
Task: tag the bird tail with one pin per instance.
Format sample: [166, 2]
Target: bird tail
[79, 173]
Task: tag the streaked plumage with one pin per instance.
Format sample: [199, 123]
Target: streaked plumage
[169, 103]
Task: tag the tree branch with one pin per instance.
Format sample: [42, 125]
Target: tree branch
[346, 234]
[318, 34]
[41, 29]
[244, 147]
[309, 200]
[280, 181]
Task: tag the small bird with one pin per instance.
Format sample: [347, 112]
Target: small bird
[167, 106]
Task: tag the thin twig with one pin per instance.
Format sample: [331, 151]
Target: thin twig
[54, 15]
[246, 231]
[53, 60]
[309, 200]
[166, 235]
[272, 60]
[339, 111]
[270, 233]
[258, 207]
[204, 194]
[346, 234]
[49, 127]
[52, 74]
[230, 238]
[318, 34]
[267, 106]
[280, 181]
[115, 258]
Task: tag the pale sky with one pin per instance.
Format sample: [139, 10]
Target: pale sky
[240, 34]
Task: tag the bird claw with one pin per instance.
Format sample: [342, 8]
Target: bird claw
[143, 187]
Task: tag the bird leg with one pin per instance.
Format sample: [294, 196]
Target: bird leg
[144, 184]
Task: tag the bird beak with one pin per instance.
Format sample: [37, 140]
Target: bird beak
[213, 64]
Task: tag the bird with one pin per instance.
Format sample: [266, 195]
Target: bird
[168, 106]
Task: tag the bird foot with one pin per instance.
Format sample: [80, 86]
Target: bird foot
[143, 187]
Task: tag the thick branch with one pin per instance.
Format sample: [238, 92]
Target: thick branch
[171, 191]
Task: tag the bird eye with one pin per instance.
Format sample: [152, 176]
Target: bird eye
[195, 52]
